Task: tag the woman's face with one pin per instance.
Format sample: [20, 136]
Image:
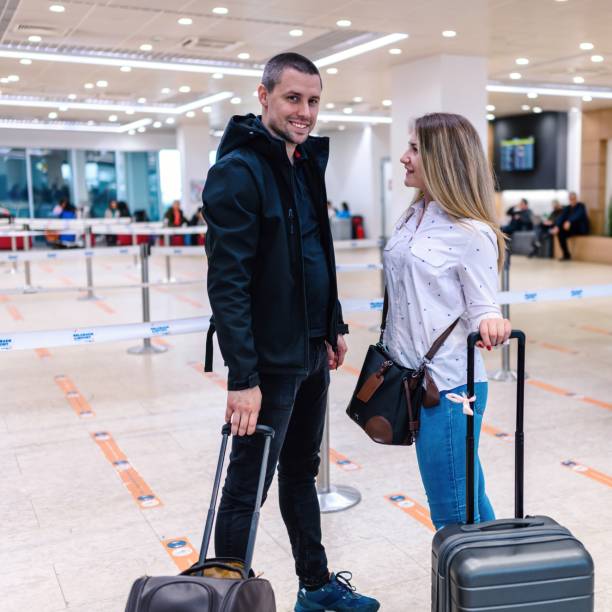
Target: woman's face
[411, 160]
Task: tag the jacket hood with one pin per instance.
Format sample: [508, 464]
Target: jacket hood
[248, 131]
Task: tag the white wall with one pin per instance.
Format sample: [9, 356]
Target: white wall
[574, 150]
[149, 141]
[354, 171]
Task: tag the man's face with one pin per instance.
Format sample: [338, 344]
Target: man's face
[290, 110]
[573, 198]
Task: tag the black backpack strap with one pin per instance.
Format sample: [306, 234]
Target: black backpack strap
[208, 357]
[383, 323]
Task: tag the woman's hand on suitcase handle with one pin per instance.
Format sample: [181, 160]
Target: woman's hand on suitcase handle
[493, 332]
[243, 410]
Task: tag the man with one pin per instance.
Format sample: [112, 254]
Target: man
[544, 229]
[573, 221]
[520, 218]
[273, 293]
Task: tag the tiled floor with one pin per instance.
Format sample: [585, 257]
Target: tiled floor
[75, 535]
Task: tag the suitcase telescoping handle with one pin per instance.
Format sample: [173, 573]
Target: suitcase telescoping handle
[519, 438]
[226, 431]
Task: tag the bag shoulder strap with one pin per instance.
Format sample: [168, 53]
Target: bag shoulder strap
[440, 340]
[383, 323]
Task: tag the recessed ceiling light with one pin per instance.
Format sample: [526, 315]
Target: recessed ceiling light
[217, 75]
[597, 58]
[395, 51]
[521, 61]
[157, 124]
[387, 102]
[532, 95]
[52, 115]
[344, 23]
[341, 128]
[236, 100]
[170, 120]
[490, 107]
[35, 38]
[142, 100]
[126, 69]
[131, 132]
[4, 80]
[165, 90]
[244, 56]
[63, 109]
[587, 98]
[102, 83]
[578, 80]
[220, 10]
[574, 109]
[490, 116]
[91, 122]
[57, 8]
[330, 105]
[296, 33]
[255, 94]
[184, 89]
[449, 33]
[146, 47]
[25, 61]
[347, 110]
[515, 76]
[537, 110]
[525, 107]
[72, 96]
[332, 71]
[13, 78]
[207, 109]
[185, 21]
[357, 99]
[142, 129]
[190, 114]
[587, 46]
[129, 111]
[113, 118]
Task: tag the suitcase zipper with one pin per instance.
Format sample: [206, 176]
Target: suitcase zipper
[199, 583]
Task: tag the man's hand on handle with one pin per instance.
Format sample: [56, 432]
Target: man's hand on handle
[243, 410]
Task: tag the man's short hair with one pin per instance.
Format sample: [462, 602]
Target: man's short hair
[273, 71]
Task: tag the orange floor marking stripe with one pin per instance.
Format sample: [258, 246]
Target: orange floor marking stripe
[560, 349]
[596, 330]
[596, 402]
[496, 433]
[133, 481]
[105, 307]
[359, 325]
[190, 301]
[77, 402]
[342, 461]
[66, 281]
[566, 393]
[161, 342]
[412, 508]
[588, 472]
[4, 298]
[42, 352]
[350, 369]
[198, 366]
[47, 268]
[14, 313]
[181, 552]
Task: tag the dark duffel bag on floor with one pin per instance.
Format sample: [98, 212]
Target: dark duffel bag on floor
[213, 585]
[529, 564]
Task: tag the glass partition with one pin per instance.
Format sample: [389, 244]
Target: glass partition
[51, 179]
[100, 180]
[14, 182]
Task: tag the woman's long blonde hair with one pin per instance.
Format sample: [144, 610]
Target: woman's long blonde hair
[456, 172]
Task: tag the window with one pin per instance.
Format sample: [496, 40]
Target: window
[51, 179]
[13, 182]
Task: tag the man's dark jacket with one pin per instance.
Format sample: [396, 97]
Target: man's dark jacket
[577, 216]
[253, 242]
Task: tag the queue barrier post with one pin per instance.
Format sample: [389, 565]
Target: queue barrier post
[169, 278]
[147, 348]
[13, 268]
[89, 267]
[28, 288]
[332, 498]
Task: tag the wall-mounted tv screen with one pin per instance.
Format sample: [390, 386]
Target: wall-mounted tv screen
[517, 154]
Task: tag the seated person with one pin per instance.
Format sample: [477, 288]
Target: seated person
[174, 217]
[520, 218]
[65, 210]
[112, 212]
[543, 229]
[573, 221]
[344, 212]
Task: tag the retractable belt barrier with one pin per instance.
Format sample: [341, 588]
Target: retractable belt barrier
[41, 255]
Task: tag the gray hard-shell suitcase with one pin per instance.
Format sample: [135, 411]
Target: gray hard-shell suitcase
[529, 564]
[213, 585]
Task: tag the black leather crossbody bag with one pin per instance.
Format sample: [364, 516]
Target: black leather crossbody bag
[388, 397]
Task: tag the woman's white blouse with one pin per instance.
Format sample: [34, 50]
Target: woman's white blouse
[442, 270]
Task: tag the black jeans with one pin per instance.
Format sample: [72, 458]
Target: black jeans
[295, 407]
[562, 236]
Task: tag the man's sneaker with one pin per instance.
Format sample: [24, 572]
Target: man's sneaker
[338, 595]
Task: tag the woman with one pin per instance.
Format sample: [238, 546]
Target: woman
[440, 265]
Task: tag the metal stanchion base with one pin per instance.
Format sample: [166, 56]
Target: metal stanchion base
[88, 298]
[168, 281]
[338, 498]
[147, 349]
[31, 289]
[505, 376]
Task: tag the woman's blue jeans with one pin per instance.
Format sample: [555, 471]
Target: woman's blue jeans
[440, 447]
